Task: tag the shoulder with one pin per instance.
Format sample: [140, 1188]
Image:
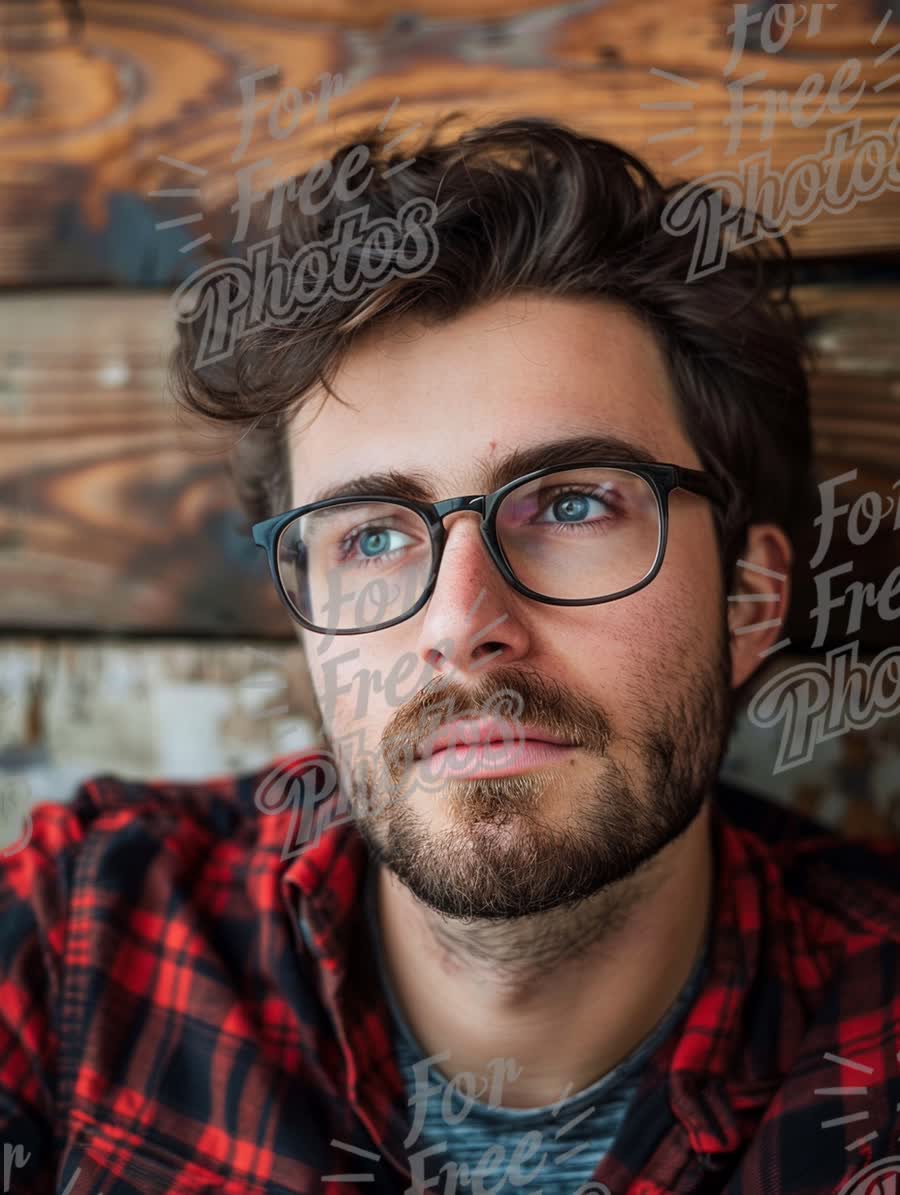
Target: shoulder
[851, 882]
[813, 920]
[111, 830]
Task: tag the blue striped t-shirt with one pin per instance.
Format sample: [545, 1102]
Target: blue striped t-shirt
[465, 1137]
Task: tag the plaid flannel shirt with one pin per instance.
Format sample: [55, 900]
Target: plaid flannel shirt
[188, 1004]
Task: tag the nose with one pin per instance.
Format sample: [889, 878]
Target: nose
[473, 620]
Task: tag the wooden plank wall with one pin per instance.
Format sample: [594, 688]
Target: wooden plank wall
[122, 552]
[94, 91]
[117, 516]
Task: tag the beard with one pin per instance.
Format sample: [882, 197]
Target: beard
[499, 856]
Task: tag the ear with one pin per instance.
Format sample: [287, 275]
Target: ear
[759, 598]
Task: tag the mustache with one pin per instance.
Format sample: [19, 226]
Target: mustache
[518, 696]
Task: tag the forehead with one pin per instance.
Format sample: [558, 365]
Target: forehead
[442, 400]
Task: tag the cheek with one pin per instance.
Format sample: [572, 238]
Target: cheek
[693, 566]
[645, 648]
[687, 605]
[357, 690]
[340, 683]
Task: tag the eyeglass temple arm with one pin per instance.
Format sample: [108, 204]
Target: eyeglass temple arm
[698, 482]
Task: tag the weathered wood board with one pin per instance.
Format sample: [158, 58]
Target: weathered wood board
[187, 711]
[99, 98]
[117, 516]
[71, 708]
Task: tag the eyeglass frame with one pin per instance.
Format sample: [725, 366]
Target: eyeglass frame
[662, 479]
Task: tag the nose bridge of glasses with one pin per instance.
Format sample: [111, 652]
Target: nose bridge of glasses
[469, 502]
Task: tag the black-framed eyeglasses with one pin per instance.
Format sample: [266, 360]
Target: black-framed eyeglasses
[578, 536]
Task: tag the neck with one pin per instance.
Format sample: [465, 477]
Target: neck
[529, 990]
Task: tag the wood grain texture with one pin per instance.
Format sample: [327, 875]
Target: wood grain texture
[116, 513]
[88, 106]
[117, 516]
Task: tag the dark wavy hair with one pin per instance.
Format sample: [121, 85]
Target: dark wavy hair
[531, 205]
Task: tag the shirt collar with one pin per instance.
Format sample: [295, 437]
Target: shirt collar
[721, 1069]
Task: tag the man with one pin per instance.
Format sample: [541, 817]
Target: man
[531, 511]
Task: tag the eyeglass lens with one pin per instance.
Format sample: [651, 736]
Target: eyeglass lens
[581, 533]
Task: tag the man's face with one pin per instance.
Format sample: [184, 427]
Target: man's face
[637, 689]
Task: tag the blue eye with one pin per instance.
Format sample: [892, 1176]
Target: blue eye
[373, 543]
[574, 507]
[571, 508]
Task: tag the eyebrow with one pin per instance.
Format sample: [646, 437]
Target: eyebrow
[421, 486]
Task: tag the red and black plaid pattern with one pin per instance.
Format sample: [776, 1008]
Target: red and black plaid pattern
[186, 1007]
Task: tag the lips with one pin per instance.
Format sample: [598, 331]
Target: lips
[479, 731]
